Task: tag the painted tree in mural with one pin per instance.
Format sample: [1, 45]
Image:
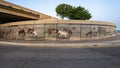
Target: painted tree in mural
[74, 13]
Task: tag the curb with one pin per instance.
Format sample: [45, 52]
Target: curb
[75, 45]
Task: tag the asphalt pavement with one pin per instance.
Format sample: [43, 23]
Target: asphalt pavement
[58, 57]
[37, 54]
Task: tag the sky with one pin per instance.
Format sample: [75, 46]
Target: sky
[101, 10]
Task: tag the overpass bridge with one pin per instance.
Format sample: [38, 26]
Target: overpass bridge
[11, 13]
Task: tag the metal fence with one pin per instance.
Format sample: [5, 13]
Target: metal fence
[52, 32]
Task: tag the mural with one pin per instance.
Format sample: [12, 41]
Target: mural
[57, 32]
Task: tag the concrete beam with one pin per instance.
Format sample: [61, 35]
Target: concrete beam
[10, 9]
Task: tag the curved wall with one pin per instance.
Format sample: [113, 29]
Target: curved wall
[80, 29]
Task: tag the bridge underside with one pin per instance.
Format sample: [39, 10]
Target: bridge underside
[11, 13]
[4, 18]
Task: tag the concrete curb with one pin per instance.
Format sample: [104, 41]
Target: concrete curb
[57, 44]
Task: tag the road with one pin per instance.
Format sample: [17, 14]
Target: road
[58, 57]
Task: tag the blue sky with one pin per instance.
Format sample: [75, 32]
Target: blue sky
[101, 10]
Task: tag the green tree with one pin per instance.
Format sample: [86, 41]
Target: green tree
[63, 10]
[74, 13]
[80, 13]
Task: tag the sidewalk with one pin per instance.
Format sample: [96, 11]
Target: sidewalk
[60, 44]
[108, 42]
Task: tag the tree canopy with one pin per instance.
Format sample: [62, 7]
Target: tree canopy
[74, 13]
